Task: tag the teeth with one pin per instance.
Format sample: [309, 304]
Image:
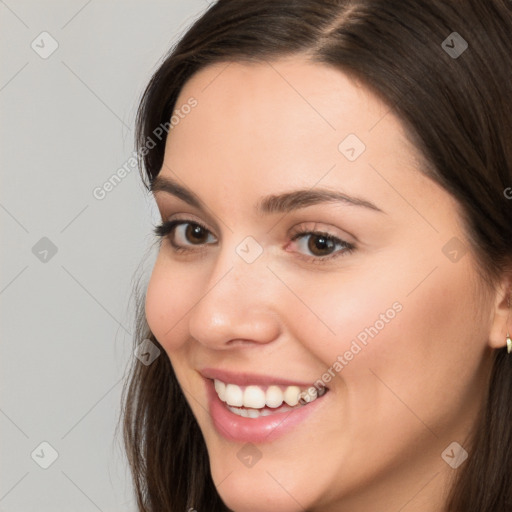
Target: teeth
[291, 395]
[252, 413]
[220, 387]
[308, 396]
[256, 413]
[234, 395]
[254, 397]
[274, 396]
[311, 394]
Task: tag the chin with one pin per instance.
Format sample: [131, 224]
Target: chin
[261, 495]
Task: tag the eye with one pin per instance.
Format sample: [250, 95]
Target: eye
[321, 245]
[183, 233]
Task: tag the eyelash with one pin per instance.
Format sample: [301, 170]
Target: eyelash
[167, 228]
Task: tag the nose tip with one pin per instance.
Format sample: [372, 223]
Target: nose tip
[236, 308]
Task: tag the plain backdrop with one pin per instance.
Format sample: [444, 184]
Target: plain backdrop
[71, 75]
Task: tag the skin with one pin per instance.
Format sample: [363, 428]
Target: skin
[376, 441]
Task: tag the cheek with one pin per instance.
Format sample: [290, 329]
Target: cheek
[167, 298]
[433, 347]
[344, 313]
[397, 318]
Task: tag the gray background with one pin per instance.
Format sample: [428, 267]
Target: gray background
[66, 126]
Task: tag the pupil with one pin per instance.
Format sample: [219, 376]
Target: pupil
[322, 244]
[195, 232]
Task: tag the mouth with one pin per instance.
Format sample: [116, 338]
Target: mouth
[253, 408]
[254, 400]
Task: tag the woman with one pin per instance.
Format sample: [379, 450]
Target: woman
[331, 296]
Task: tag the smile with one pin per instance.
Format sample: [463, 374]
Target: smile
[254, 401]
[258, 409]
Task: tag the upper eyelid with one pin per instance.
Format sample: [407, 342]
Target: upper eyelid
[188, 220]
[162, 205]
[295, 230]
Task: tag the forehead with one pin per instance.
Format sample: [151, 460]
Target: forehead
[286, 108]
[291, 90]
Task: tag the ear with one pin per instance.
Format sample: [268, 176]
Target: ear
[502, 323]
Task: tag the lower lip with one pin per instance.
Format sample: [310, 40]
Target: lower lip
[254, 430]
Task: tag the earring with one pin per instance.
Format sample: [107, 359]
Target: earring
[509, 341]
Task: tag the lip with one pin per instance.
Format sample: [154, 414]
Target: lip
[246, 379]
[255, 430]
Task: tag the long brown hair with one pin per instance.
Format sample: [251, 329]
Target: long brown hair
[457, 109]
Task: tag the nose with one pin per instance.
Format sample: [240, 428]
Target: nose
[237, 306]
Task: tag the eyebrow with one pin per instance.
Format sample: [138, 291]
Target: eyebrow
[281, 203]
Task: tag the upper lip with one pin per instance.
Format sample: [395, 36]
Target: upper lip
[246, 379]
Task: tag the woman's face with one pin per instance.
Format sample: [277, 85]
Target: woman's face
[376, 296]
